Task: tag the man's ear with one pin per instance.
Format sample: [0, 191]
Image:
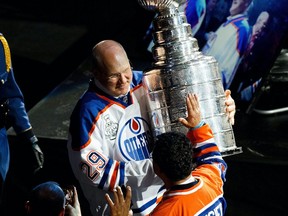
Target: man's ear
[156, 168]
[159, 172]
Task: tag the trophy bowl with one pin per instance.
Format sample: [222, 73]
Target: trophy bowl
[155, 5]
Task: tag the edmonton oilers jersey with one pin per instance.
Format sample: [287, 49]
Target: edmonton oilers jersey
[108, 145]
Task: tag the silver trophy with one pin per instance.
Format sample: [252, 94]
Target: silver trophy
[180, 68]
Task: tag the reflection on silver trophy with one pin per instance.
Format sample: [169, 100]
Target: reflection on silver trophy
[180, 68]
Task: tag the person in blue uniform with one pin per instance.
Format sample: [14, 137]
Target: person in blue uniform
[13, 114]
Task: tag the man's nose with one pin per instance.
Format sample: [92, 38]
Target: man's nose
[122, 78]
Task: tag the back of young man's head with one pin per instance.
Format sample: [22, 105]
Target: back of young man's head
[46, 199]
[173, 154]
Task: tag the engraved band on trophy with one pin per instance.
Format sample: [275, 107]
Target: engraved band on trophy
[180, 68]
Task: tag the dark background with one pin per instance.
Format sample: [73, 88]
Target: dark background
[52, 40]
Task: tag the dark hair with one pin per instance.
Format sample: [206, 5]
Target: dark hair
[173, 154]
[46, 199]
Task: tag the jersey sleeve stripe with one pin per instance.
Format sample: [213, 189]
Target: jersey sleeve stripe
[122, 173]
[203, 157]
[114, 176]
[106, 174]
[205, 149]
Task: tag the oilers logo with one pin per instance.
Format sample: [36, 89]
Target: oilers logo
[134, 138]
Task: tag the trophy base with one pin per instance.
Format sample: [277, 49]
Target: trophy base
[235, 151]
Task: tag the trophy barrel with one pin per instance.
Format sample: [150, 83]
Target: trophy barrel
[180, 68]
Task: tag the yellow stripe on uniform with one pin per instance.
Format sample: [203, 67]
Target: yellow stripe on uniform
[6, 52]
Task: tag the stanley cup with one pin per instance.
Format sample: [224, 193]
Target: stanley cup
[180, 68]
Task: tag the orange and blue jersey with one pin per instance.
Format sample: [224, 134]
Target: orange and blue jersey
[205, 195]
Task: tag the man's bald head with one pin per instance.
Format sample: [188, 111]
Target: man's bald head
[107, 52]
[112, 67]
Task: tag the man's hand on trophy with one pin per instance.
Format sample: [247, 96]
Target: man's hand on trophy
[193, 118]
[230, 107]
